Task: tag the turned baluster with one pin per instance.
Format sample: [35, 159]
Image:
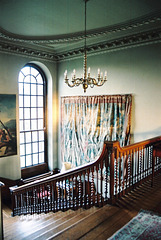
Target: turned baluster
[116, 173]
[120, 169]
[58, 196]
[65, 194]
[71, 193]
[75, 191]
[68, 193]
[106, 178]
[80, 191]
[52, 196]
[126, 170]
[111, 174]
[97, 190]
[92, 188]
[101, 185]
[87, 189]
[84, 191]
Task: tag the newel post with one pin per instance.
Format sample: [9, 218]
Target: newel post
[1, 216]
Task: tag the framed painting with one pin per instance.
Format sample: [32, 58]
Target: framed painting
[8, 136]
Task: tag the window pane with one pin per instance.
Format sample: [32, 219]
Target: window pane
[27, 79]
[20, 77]
[40, 124]
[41, 146]
[41, 157]
[20, 101]
[34, 71]
[21, 113]
[33, 124]
[41, 136]
[22, 140]
[20, 88]
[28, 160]
[26, 113]
[33, 101]
[40, 113]
[35, 136]
[26, 101]
[22, 149]
[39, 79]
[40, 89]
[28, 137]
[33, 80]
[27, 125]
[27, 89]
[21, 125]
[35, 159]
[35, 147]
[33, 113]
[28, 148]
[33, 89]
[26, 70]
[40, 101]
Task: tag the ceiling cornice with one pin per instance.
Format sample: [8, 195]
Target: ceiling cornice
[140, 39]
[25, 51]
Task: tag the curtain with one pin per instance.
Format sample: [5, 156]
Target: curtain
[87, 121]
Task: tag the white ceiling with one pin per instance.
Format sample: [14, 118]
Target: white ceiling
[57, 26]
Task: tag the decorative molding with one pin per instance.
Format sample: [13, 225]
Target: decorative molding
[19, 50]
[140, 39]
[128, 25]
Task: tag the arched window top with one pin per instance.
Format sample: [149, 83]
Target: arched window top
[31, 74]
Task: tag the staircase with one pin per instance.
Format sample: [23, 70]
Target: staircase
[79, 224]
[93, 223]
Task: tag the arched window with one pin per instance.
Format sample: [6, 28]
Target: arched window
[32, 116]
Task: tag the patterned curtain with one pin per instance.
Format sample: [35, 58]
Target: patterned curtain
[87, 121]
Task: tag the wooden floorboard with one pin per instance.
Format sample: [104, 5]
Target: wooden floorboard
[94, 223]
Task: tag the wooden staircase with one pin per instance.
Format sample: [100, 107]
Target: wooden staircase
[94, 223]
[79, 224]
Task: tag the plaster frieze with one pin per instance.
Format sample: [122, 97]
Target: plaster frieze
[135, 40]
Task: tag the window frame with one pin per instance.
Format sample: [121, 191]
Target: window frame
[43, 166]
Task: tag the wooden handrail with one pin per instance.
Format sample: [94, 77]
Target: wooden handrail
[116, 144]
[113, 174]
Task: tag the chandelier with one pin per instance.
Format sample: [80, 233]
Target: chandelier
[86, 80]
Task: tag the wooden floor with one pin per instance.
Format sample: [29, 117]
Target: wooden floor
[94, 223]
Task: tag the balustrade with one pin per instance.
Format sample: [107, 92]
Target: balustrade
[116, 172]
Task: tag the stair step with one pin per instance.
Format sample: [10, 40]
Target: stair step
[84, 225]
[40, 226]
[66, 222]
[106, 228]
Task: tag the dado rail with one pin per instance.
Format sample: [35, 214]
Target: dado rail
[116, 172]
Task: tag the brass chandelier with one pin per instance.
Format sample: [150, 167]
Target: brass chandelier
[86, 80]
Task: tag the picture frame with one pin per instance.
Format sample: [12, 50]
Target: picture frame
[8, 133]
